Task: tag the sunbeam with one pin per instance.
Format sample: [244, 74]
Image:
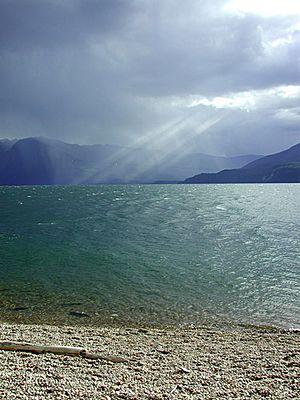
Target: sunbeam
[169, 144]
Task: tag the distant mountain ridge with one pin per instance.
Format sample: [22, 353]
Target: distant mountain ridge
[6, 144]
[39, 160]
[282, 167]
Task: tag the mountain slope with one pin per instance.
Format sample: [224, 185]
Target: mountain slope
[6, 144]
[279, 167]
[45, 161]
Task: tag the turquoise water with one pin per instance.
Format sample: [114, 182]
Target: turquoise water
[151, 254]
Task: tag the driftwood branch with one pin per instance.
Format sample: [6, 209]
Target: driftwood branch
[40, 349]
[65, 350]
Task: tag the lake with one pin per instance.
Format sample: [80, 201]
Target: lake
[151, 254]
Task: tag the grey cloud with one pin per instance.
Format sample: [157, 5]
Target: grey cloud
[214, 55]
[33, 24]
[107, 71]
[260, 132]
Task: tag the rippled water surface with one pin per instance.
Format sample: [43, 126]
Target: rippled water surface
[169, 254]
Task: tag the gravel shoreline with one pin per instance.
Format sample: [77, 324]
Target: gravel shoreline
[194, 363]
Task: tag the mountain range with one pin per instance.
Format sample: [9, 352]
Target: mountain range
[39, 160]
[276, 168]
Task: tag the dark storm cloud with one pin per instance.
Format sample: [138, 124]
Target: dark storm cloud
[57, 71]
[30, 24]
[115, 71]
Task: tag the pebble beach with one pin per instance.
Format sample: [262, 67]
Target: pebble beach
[192, 363]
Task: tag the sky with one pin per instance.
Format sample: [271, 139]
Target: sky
[217, 76]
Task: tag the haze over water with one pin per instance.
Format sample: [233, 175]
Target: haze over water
[152, 254]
